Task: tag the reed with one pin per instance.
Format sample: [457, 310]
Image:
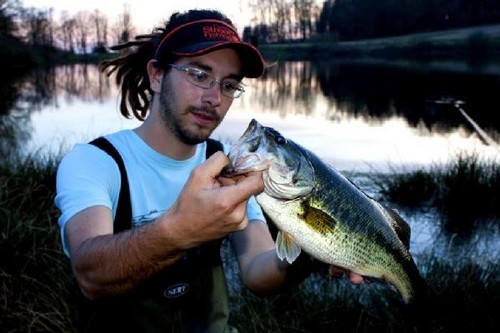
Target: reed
[466, 190]
[35, 280]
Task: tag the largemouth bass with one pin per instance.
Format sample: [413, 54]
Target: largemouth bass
[318, 210]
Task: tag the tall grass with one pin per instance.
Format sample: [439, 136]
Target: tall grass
[38, 293]
[35, 281]
[466, 190]
[463, 296]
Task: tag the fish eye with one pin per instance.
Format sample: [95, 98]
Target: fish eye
[280, 140]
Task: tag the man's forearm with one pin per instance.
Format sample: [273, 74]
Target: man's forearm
[109, 265]
[268, 275]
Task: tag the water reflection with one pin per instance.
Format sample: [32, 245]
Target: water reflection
[82, 83]
[46, 111]
[357, 116]
[364, 116]
[17, 95]
[378, 93]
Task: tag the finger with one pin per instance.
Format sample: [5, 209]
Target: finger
[355, 278]
[230, 180]
[224, 181]
[214, 164]
[251, 184]
[336, 272]
[243, 224]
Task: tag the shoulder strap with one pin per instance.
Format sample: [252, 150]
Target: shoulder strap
[213, 146]
[123, 219]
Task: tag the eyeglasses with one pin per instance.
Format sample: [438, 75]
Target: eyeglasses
[228, 87]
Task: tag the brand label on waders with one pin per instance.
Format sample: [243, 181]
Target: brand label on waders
[176, 290]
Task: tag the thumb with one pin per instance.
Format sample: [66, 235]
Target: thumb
[214, 164]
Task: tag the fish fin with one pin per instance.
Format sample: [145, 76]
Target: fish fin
[400, 226]
[319, 220]
[286, 248]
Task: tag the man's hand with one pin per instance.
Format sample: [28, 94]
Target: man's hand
[209, 206]
[338, 272]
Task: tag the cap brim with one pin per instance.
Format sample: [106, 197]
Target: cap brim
[251, 59]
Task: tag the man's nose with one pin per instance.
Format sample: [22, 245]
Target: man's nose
[213, 95]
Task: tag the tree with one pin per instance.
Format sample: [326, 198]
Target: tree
[101, 30]
[36, 26]
[9, 10]
[305, 12]
[123, 29]
[82, 29]
[68, 32]
[359, 19]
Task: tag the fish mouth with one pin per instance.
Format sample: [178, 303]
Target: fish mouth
[245, 164]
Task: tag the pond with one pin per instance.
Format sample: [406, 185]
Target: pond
[361, 118]
[357, 117]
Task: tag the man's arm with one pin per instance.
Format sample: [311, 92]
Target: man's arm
[107, 264]
[261, 269]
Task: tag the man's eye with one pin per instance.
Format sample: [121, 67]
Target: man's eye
[199, 76]
[230, 86]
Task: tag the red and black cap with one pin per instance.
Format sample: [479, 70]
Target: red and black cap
[203, 36]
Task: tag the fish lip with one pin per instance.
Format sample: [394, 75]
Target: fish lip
[231, 171]
[245, 164]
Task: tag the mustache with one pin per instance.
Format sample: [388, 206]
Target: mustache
[206, 111]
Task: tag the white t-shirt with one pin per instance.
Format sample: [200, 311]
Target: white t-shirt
[87, 176]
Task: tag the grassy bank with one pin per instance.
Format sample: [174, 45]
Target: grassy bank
[466, 190]
[35, 280]
[475, 45]
[38, 293]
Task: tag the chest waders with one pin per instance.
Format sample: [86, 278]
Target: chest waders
[189, 296]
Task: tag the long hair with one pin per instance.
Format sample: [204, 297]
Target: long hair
[131, 67]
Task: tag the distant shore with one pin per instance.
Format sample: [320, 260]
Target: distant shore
[476, 44]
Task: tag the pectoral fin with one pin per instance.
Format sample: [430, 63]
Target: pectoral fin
[286, 248]
[319, 220]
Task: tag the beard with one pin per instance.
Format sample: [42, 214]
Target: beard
[174, 119]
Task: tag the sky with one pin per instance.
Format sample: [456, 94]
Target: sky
[146, 14]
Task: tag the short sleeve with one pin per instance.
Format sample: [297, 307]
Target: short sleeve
[86, 177]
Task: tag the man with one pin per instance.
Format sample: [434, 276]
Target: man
[149, 259]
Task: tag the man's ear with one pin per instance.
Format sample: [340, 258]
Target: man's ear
[155, 73]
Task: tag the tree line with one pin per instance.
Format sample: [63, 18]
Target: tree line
[272, 21]
[286, 20]
[365, 19]
[33, 33]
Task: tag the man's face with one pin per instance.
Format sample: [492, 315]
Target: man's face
[192, 113]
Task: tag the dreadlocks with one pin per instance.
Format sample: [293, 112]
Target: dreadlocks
[131, 68]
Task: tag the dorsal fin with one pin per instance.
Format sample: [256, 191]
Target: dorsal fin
[400, 226]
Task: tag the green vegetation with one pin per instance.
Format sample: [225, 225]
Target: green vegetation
[475, 45]
[366, 19]
[38, 293]
[463, 295]
[35, 278]
[464, 191]
[384, 28]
